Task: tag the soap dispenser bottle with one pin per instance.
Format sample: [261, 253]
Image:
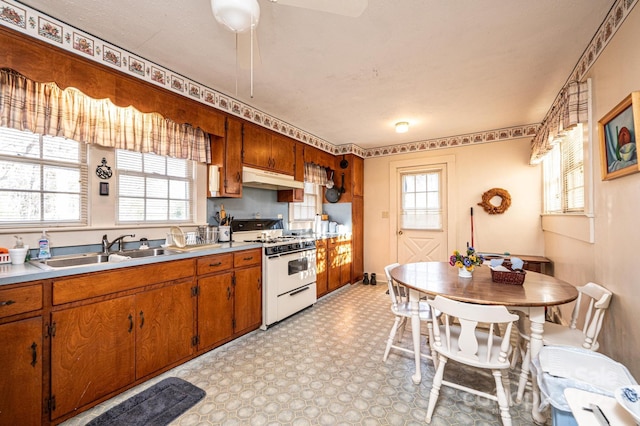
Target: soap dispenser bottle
[44, 250]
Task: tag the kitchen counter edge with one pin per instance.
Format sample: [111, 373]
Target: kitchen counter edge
[15, 274]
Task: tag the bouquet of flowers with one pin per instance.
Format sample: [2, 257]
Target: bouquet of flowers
[469, 261]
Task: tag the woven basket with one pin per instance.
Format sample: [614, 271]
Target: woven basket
[512, 277]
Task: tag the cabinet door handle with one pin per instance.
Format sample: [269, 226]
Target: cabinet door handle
[215, 264]
[238, 177]
[248, 258]
[130, 323]
[141, 319]
[228, 293]
[34, 354]
[7, 302]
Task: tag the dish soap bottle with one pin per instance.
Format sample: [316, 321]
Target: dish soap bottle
[44, 250]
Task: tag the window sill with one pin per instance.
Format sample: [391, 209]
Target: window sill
[579, 226]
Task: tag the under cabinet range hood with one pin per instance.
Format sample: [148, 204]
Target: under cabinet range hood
[256, 178]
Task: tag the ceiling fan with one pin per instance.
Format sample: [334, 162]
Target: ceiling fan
[242, 16]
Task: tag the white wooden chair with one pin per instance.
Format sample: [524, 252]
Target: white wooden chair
[402, 310]
[560, 335]
[465, 343]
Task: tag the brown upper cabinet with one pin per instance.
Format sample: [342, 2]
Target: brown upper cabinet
[226, 153]
[357, 173]
[267, 150]
[319, 157]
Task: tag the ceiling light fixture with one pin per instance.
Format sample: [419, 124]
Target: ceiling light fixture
[237, 15]
[402, 126]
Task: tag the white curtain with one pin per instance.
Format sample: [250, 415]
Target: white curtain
[45, 108]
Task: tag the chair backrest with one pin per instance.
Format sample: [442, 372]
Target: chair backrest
[396, 293]
[469, 315]
[599, 299]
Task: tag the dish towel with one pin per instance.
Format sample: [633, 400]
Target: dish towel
[118, 258]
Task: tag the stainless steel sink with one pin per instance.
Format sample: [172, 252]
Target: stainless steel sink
[93, 258]
[145, 252]
[74, 260]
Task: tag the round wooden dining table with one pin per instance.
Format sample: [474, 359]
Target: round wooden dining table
[440, 278]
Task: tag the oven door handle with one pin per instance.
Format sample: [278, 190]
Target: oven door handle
[293, 293]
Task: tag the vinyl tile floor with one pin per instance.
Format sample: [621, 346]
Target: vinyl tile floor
[323, 366]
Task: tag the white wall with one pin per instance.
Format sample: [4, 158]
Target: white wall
[478, 168]
[612, 259]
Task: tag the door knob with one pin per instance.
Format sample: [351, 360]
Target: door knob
[400, 232]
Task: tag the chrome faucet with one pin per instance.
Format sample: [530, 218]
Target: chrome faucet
[106, 245]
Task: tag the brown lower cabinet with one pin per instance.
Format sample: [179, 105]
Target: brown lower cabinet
[339, 261]
[21, 354]
[322, 277]
[21, 383]
[229, 299]
[101, 347]
[109, 331]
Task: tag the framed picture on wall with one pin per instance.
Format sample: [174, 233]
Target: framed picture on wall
[617, 131]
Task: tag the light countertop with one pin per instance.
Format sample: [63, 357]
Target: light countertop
[13, 274]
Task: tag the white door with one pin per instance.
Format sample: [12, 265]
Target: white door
[422, 214]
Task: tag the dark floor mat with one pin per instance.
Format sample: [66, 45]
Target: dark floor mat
[158, 405]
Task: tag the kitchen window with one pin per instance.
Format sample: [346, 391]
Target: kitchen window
[43, 180]
[154, 188]
[563, 174]
[305, 211]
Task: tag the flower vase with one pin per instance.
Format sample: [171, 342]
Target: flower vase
[464, 273]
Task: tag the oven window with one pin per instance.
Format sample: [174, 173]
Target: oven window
[298, 265]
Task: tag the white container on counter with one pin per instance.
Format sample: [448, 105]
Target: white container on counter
[18, 255]
[324, 227]
[224, 233]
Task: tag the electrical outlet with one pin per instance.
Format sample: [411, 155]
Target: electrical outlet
[385, 215]
[279, 216]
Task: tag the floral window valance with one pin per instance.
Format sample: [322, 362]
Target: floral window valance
[570, 108]
[45, 108]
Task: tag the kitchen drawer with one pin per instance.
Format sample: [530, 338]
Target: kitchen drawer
[20, 300]
[215, 263]
[247, 258]
[81, 287]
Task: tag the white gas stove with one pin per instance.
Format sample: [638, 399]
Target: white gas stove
[288, 267]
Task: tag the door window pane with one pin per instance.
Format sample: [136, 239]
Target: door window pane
[421, 201]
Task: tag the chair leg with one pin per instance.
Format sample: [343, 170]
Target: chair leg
[435, 387]
[401, 327]
[503, 400]
[506, 382]
[392, 336]
[516, 351]
[434, 356]
[524, 374]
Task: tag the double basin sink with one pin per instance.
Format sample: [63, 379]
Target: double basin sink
[94, 258]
